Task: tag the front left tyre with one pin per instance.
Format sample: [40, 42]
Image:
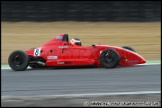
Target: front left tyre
[18, 60]
[109, 58]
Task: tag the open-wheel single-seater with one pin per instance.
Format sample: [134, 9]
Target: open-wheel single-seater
[58, 52]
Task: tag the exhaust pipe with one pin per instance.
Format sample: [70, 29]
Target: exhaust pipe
[38, 62]
[42, 63]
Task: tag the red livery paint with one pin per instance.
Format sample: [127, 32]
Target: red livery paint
[58, 52]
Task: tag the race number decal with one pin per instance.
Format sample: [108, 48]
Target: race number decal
[37, 51]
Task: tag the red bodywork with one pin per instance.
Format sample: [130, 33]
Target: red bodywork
[58, 52]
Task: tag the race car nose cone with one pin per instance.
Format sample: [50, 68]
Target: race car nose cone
[143, 61]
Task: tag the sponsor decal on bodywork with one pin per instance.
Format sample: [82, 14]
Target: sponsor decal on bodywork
[59, 37]
[52, 57]
[132, 60]
[127, 60]
[60, 62]
[64, 62]
[62, 46]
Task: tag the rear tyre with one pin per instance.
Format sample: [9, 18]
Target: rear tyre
[109, 58]
[18, 60]
[129, 48]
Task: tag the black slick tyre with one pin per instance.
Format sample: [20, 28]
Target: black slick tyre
[129, 48]
[18, 60]
[109, 58]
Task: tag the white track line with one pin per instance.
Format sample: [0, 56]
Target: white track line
[134, 65]
[150, 64]
[85, 95]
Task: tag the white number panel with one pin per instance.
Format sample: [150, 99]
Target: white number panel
[37, 51]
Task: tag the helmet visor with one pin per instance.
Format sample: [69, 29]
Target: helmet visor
[78, 43]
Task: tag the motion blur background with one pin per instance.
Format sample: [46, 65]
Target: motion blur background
[28, 24]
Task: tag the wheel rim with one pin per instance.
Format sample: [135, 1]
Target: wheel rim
[17, 60]
[109, 57]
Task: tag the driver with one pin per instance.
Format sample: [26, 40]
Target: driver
[75, 42]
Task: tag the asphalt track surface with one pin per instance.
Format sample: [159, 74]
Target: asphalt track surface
[56, 81]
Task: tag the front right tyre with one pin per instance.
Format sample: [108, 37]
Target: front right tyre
[18, 60]
[129, 48]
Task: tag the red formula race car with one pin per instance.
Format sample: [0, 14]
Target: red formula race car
[59, 51]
